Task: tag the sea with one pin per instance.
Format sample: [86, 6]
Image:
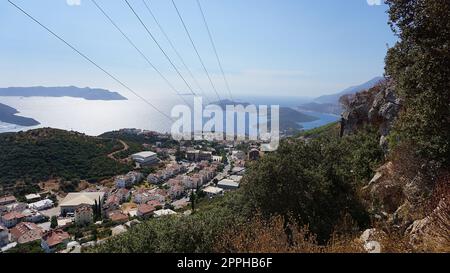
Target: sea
[94, 117]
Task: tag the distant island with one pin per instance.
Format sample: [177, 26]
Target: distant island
[67, 91]
[8, 114]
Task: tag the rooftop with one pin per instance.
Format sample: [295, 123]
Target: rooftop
[78, 198]
[228, 182]
[144, 154]
[213, 190]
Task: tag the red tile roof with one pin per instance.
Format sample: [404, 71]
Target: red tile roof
[146, 209]
[55, 237]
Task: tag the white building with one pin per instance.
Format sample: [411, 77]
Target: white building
[228, 184]
[128, 180]
[75, 199]
[41, 205]
[84, 215]
[212, 191]
[4, 236]
[32, 197]
[163, 212]
[145, 158]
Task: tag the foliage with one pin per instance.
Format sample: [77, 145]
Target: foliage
[314, 181]
[31, 247]
[38, 155]
[196, 233]
[53, 222]
[419, 63]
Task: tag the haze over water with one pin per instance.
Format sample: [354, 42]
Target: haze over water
[97, 117]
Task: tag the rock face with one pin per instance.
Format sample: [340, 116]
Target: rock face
[405, 203]
[378, 106]
[432, 233]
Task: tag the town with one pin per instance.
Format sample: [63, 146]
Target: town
[169, 178]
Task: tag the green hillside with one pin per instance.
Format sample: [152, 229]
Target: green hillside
[38, 155]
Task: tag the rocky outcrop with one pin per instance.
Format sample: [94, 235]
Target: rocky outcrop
[378, 106]
[406, 203]
[431, 234]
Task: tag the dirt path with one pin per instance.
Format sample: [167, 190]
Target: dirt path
[125, 147]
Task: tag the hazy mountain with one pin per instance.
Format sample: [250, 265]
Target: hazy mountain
[8, 114]
[68, 91]
[334, 98]
[331, 108]
[330, 103]
[290, 118]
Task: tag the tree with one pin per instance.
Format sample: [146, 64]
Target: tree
[192, 198]
[419, 63]
[53, 222]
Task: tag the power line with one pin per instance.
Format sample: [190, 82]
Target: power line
[90, 60]
[215, 50]
[173, 48]
[160, 48]
[138, 50]
[195, 48]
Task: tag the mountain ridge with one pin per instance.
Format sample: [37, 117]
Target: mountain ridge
[62, 91]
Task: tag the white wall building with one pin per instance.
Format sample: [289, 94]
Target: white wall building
[228, 184]
[41, 205]
[145, 158]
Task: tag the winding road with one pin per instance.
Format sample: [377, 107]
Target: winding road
[125, 147]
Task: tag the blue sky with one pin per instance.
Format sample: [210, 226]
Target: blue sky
[268, 47]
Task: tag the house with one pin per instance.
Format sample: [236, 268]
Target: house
[41, 205]
[145, 210]
[122, 181]
[154, 178]
[12, 218]
[9, 199]
[205, 155]
[33, 197]
[54, 239]
[112, 203]
[156, 204]
[217, 158]
[84, 215]
[192, 155]
[141, 196]
[236, 178]
[118, 216]
[4, 236]
[128, 180]
[26, 232]
[228, 184]
[145, 158]
[176, 191]
[74, 199]
[212, 191]
[18, 207]
[163, 212]
[33, 216]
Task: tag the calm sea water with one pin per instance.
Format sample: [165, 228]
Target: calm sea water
[97, 117]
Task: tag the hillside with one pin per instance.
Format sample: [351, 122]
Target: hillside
[290, 118]
[334, 98]
[38, 155]
[66, 91]
[8, 115]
